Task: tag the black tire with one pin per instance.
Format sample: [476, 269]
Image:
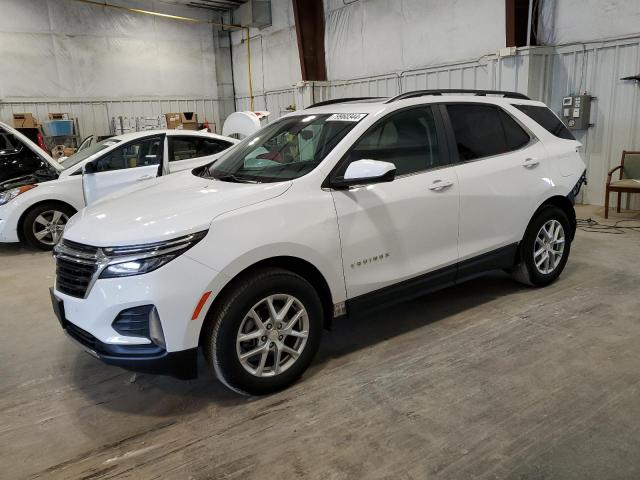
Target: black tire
[225, 320]
[43, 209]
[526, 271]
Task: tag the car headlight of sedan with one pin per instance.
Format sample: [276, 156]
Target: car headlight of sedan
[139, 259]
[8, 195]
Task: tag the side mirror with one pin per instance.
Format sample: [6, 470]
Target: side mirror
[90, 168]
[366, 172]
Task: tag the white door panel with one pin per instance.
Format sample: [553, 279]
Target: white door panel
[497, 198]
[398, 230]
[133, 163]
[100, 184]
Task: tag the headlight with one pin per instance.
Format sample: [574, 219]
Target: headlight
[139, 259]
[6, 197]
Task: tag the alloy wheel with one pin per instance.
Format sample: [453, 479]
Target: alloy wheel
[49, 226]
[272, 335]
[549, 246]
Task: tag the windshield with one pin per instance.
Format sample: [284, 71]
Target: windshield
[284, 150]
[87, 152]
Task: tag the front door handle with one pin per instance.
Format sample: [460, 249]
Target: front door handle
[145, 177]
[439, 185]
[530, 163]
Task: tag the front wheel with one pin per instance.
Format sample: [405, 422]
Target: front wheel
[264, 334]
[545, 248]
[43, 225]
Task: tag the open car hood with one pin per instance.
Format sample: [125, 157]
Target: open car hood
[31, 179]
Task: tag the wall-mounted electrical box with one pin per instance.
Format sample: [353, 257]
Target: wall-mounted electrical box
[576, 111]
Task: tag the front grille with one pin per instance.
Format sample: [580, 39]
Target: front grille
[75, 266]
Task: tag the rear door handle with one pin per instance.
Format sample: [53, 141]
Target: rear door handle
[145, 177]
[530, 163]
[439, 185]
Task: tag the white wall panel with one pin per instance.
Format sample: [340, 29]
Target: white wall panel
[371, 37]
[567, 21]
[67, 49]
[275, 61]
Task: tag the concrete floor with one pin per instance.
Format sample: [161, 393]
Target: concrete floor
[485, 380]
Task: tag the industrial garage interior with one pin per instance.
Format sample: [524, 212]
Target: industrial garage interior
[169, 258]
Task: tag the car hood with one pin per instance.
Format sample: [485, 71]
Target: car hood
[176, 205]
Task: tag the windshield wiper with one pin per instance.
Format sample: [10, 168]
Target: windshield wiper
[229, 177]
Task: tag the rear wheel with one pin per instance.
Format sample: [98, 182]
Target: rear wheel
[545, 248]
[43, 225]
[264, 334]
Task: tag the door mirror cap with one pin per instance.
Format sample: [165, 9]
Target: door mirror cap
[89, 168]
[366, 172]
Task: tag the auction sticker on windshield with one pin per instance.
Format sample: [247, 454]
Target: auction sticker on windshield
[346, 117]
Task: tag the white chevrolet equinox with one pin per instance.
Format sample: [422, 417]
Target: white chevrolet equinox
[332, 211]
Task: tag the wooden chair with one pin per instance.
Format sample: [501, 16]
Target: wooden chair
[629, 180]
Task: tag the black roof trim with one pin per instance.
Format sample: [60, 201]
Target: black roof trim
[342, 100]
[481, 93]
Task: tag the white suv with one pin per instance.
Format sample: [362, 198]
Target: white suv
[332, 211]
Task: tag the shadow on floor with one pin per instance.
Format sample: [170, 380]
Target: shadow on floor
[161, 396]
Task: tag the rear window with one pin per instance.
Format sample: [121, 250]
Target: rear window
[547, 120]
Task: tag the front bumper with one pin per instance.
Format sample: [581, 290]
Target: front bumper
[8, 229]
[145, 358]
[174, 290]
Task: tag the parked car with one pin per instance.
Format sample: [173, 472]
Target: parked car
[37, 212]
[20, 157]
[328, 212]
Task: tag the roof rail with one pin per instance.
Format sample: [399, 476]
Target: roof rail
[481, 93]
[341, 100]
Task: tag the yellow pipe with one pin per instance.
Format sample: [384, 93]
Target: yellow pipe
[188, 19]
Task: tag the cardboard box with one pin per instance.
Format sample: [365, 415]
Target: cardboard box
[183, 120]
[24, 120]
[189, 120]
[59, 116]
[173, 120]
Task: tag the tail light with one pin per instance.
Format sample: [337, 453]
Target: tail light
[40, 139]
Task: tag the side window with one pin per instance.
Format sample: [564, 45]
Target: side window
[484, 130]
[547, 120]
[135, 154]
[515, 135]
[208, 147]
[407, 139]
[184, 148]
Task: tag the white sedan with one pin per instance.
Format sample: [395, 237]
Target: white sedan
[38, 212]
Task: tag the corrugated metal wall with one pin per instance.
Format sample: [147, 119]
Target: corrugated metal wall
[278, 102]
[544, 73]
[94, 116]
[597, 68]
[507, 73]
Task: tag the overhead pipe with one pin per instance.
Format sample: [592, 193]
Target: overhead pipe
[192, 20]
